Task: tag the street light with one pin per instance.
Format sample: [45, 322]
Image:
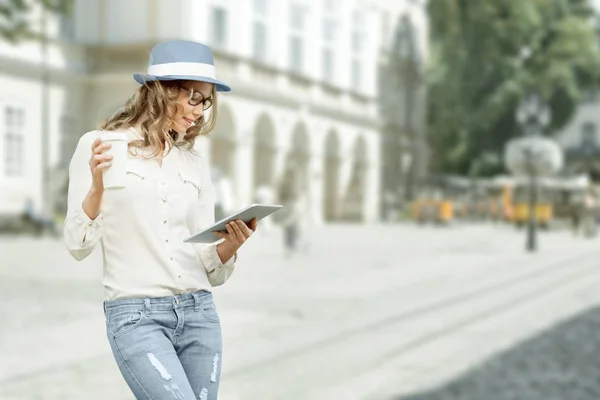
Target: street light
[533, 155]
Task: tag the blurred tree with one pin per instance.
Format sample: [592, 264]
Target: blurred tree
[485, 55]
[15, 17]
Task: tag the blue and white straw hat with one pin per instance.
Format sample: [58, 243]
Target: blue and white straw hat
[181, 60]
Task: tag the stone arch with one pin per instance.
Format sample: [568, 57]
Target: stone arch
[299, 157]
[223, 143]
[354, 199]
[222, 155]
[331, 176]
[264, 152]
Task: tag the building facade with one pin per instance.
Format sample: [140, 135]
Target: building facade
[402, 91]
[306, 94]
[580, 138]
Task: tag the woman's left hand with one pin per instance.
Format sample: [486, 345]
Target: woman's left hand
[237, 234]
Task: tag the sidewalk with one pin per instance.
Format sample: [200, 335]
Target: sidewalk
[351, 276]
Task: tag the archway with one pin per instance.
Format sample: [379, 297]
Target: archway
[264, 153]
[222, 155]
[299, 157]
[222, 149]
[356, 192]
[331, 177]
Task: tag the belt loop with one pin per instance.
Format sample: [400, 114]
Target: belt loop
[104, 307]
[196, 301]
[147, 306]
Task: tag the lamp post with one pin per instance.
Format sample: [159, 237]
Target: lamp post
[533, 155]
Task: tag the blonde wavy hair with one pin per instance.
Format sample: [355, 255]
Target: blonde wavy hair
[156, 104]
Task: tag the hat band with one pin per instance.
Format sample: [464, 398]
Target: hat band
[183, 68]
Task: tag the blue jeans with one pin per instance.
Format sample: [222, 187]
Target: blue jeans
[167, 347]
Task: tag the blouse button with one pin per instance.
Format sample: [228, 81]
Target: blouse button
[164, 200]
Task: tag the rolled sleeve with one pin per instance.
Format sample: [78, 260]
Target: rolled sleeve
[80, 232]
[211, 260]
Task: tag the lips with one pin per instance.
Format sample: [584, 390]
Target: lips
[189, 121]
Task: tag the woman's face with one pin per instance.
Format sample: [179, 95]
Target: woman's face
[194, 99]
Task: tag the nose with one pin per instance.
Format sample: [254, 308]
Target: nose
[198, 111]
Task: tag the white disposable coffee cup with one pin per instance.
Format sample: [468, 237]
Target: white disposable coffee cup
[114, 176]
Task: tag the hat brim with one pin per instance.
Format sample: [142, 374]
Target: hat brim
[143, 78]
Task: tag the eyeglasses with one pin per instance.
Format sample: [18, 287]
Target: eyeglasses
[196, 98]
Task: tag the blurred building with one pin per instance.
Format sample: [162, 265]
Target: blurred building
[580, 138]
[320, 87]
[402, 59]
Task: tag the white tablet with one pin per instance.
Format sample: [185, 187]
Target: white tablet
[258, 211]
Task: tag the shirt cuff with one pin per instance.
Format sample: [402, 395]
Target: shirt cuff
[88, 225]
[211, 259]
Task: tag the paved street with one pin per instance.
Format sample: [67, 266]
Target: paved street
[369, 312]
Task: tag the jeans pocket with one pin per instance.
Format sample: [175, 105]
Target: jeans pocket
[209, 311]
[125, 322]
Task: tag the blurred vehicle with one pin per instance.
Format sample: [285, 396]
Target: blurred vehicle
[557, 199]
[436, 202]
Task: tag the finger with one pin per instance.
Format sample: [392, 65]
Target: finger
[219, 234]
[244, 229]
[101, 148]
[239, 232]
[103, 165]
[96, 143]
[254, 224]
[100, 158]
[230, 230]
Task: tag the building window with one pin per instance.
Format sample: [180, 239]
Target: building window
[296, 39]
[14, 149]
[297, 17]
[589, 138]
[331, 6]
[261, 7]
[330, 37]
[357, 41]
[357, 45]
[261, 36]
[66, 27]
[219, 26]
[328, 64]
[296, 54]
[356, 73]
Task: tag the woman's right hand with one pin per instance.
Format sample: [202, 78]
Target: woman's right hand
[98, 163]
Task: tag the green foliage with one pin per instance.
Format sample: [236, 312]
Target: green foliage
[17, 17]
[479, 72]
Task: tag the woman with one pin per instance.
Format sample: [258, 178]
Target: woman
[161, 321]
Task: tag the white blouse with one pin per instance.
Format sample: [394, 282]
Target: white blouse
[142, 227]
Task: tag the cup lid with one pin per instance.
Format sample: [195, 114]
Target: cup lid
[113, 136]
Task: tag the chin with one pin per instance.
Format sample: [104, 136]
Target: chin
[179, 129]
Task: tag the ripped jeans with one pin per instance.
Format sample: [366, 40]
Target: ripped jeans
[167, 347]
